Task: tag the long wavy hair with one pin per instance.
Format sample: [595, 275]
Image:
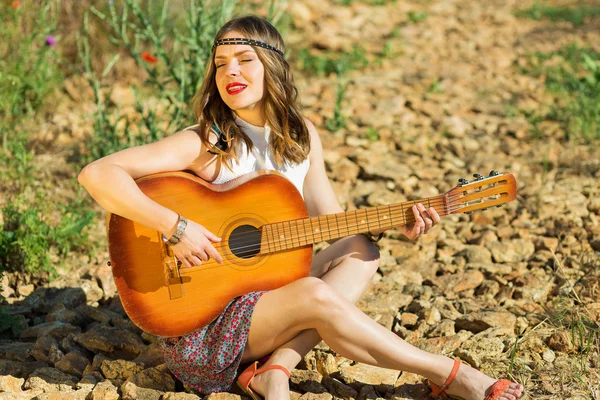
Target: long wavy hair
[289, 141]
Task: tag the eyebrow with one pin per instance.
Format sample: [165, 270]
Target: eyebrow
[237, 53]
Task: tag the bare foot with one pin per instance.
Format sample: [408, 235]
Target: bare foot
[272, 385]
[471, 384]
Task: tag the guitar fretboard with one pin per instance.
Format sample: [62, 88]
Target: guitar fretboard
[302, 232]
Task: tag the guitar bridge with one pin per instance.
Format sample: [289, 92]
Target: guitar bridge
[173, 277]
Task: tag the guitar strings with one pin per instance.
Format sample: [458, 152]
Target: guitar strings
[290, 239]
[371, 212]
[368, 211]
[393, 209]
[251, 248]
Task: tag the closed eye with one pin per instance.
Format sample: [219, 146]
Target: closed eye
[249, 59]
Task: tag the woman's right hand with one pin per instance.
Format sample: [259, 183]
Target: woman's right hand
[196, 245]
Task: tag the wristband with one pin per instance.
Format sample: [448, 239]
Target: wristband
[181, 225]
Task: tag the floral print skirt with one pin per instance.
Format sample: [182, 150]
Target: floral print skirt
[208, 359]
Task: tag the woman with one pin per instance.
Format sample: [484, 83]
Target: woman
[248, 119]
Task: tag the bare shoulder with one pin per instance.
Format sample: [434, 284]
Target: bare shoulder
[175, 152]
[315, 141]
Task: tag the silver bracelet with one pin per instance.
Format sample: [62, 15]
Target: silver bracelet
[181, 225]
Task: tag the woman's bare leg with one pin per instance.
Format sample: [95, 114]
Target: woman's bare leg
[282, 314]
[348, 267]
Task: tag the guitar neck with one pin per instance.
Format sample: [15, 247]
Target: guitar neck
[288, 235]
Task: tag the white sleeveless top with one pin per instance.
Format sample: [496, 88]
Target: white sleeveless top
[260, 158]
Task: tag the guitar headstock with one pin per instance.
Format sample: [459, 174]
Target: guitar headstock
[481, 193]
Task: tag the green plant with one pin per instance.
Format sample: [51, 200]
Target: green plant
[435, 86]
[416, 16]
[575, 83]
[29, 64]
[338, 120]
[575, 15]
[338, 63]
[28, 233]
[372, 134]
[173, 57]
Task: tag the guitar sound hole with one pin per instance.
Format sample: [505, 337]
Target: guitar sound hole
[244, 241]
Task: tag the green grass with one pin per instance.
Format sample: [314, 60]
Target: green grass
[332, 62]
[575, 15]
[572, 75]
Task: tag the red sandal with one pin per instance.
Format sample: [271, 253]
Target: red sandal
[495, 391]
[441, 390]
[249, 373]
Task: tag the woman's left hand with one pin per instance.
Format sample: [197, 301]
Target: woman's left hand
[424, 220]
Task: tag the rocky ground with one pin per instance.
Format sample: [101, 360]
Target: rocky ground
[513, 291]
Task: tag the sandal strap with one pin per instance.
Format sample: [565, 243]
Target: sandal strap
[442, 389]
[275, 366]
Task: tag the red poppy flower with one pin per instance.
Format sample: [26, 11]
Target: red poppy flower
[15, 4]
[149, 57]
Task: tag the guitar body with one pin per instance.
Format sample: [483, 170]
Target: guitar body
[166, 300]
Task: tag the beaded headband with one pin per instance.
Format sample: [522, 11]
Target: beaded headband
[250, 42]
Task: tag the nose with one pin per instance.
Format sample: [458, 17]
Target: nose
[232, 68]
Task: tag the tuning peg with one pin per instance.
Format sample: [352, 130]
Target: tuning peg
[478, 176]
[469, 212]
[500, 206]
[462, 181]
[494, 173]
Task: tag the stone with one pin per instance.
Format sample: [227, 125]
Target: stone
[409, 320]
[151, 356]
[63, 314]
[89, 381]
[339, 389]
[482, 320]
[73, 363]
[444, 345]
[181, 396]
[548, 356]
[11, 384]
[119, 369]
[510, 251]
[107, 339]
[546, 243]
[460, 281]
[156, 378]
[18, 351]
[50, 380]
[476, 254]
[101, 315]
[443, 328]
[316, 396]
[130, 391]
[44, 300]
[477, 348]
[104, 390]
[46, 349]
[306, 381]
[20, 369]
[222, 396]
[55, 328]
[455, 126]
[360, 374]
[533, 287]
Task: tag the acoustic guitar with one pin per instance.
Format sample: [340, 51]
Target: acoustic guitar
[267, 239]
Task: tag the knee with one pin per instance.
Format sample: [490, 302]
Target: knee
[319, 295]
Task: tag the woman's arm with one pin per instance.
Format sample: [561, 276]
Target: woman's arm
[319, 196]
[320, 199]
[110, 180]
